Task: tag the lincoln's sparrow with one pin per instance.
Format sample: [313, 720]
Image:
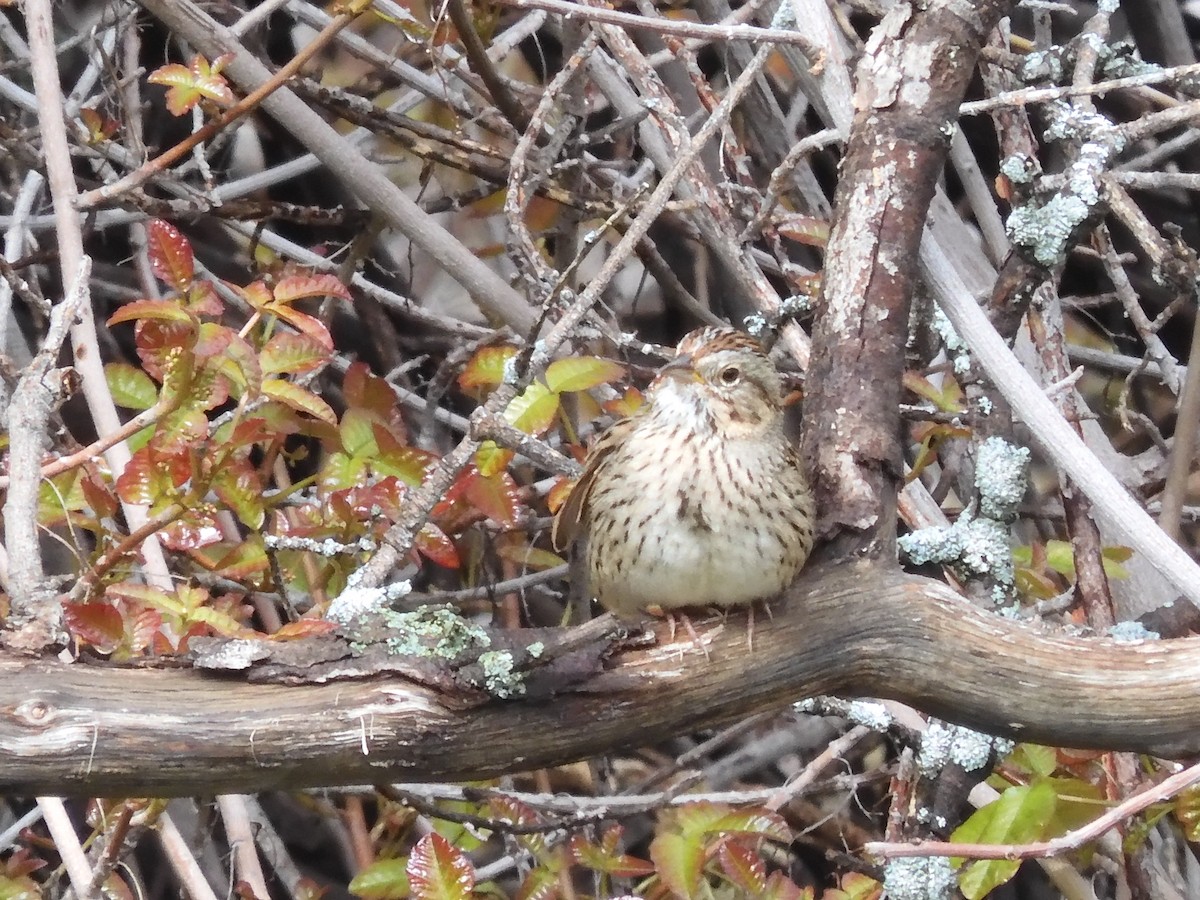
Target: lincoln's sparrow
[699, 498]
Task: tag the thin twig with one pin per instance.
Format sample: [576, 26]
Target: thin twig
[96, 448]
[1182, 456]
[244, 106]
[1072, 840]
[676, 27]
[1027, 96]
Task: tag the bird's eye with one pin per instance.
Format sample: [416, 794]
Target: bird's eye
[730, 375]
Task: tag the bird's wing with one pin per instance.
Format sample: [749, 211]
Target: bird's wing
[570, 515]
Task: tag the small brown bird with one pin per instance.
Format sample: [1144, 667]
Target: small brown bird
[699, 498]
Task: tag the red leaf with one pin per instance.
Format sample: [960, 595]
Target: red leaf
[159, 342]
[142, 626]
[98, 494]
[494, 496]
[558, 494]
[363, 388]
[98, 624]
[177, 434]
[743, 866]
[302, 322]
[605, 857]
[99, 126]
[433, 544]
[202, 299]
[196, 529]
[512, 810]
[805, 230]
[149, 476]
[257, 294]
[626, 405]
[170, 255]
[297, 287]
[437, 870]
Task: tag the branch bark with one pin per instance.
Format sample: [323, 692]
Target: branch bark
[910, 82]
[853, 629]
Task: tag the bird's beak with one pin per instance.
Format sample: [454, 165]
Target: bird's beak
[680, 368]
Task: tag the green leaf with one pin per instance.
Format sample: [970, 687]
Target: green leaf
[156, 310]
[486, 367]
[237, 361]
[155, 598]
[289, 353]
[534, 410]
[582, 372]
[239, 487]
[408, 464]
[341, 471]
[438, 871]
[1112, 557]
[299, 399]
[187, 86]
[1036, 759]
[492, 459]
[130, 386]
[679, 862]
[541, 884]
[1020, 815]
[947, 398]
[385, 879]
[700, 819]
[59, 496]
[606, 857]
[357, 430]
[528, 557]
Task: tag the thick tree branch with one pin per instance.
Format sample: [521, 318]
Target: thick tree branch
[850, 629]
[910, 83]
